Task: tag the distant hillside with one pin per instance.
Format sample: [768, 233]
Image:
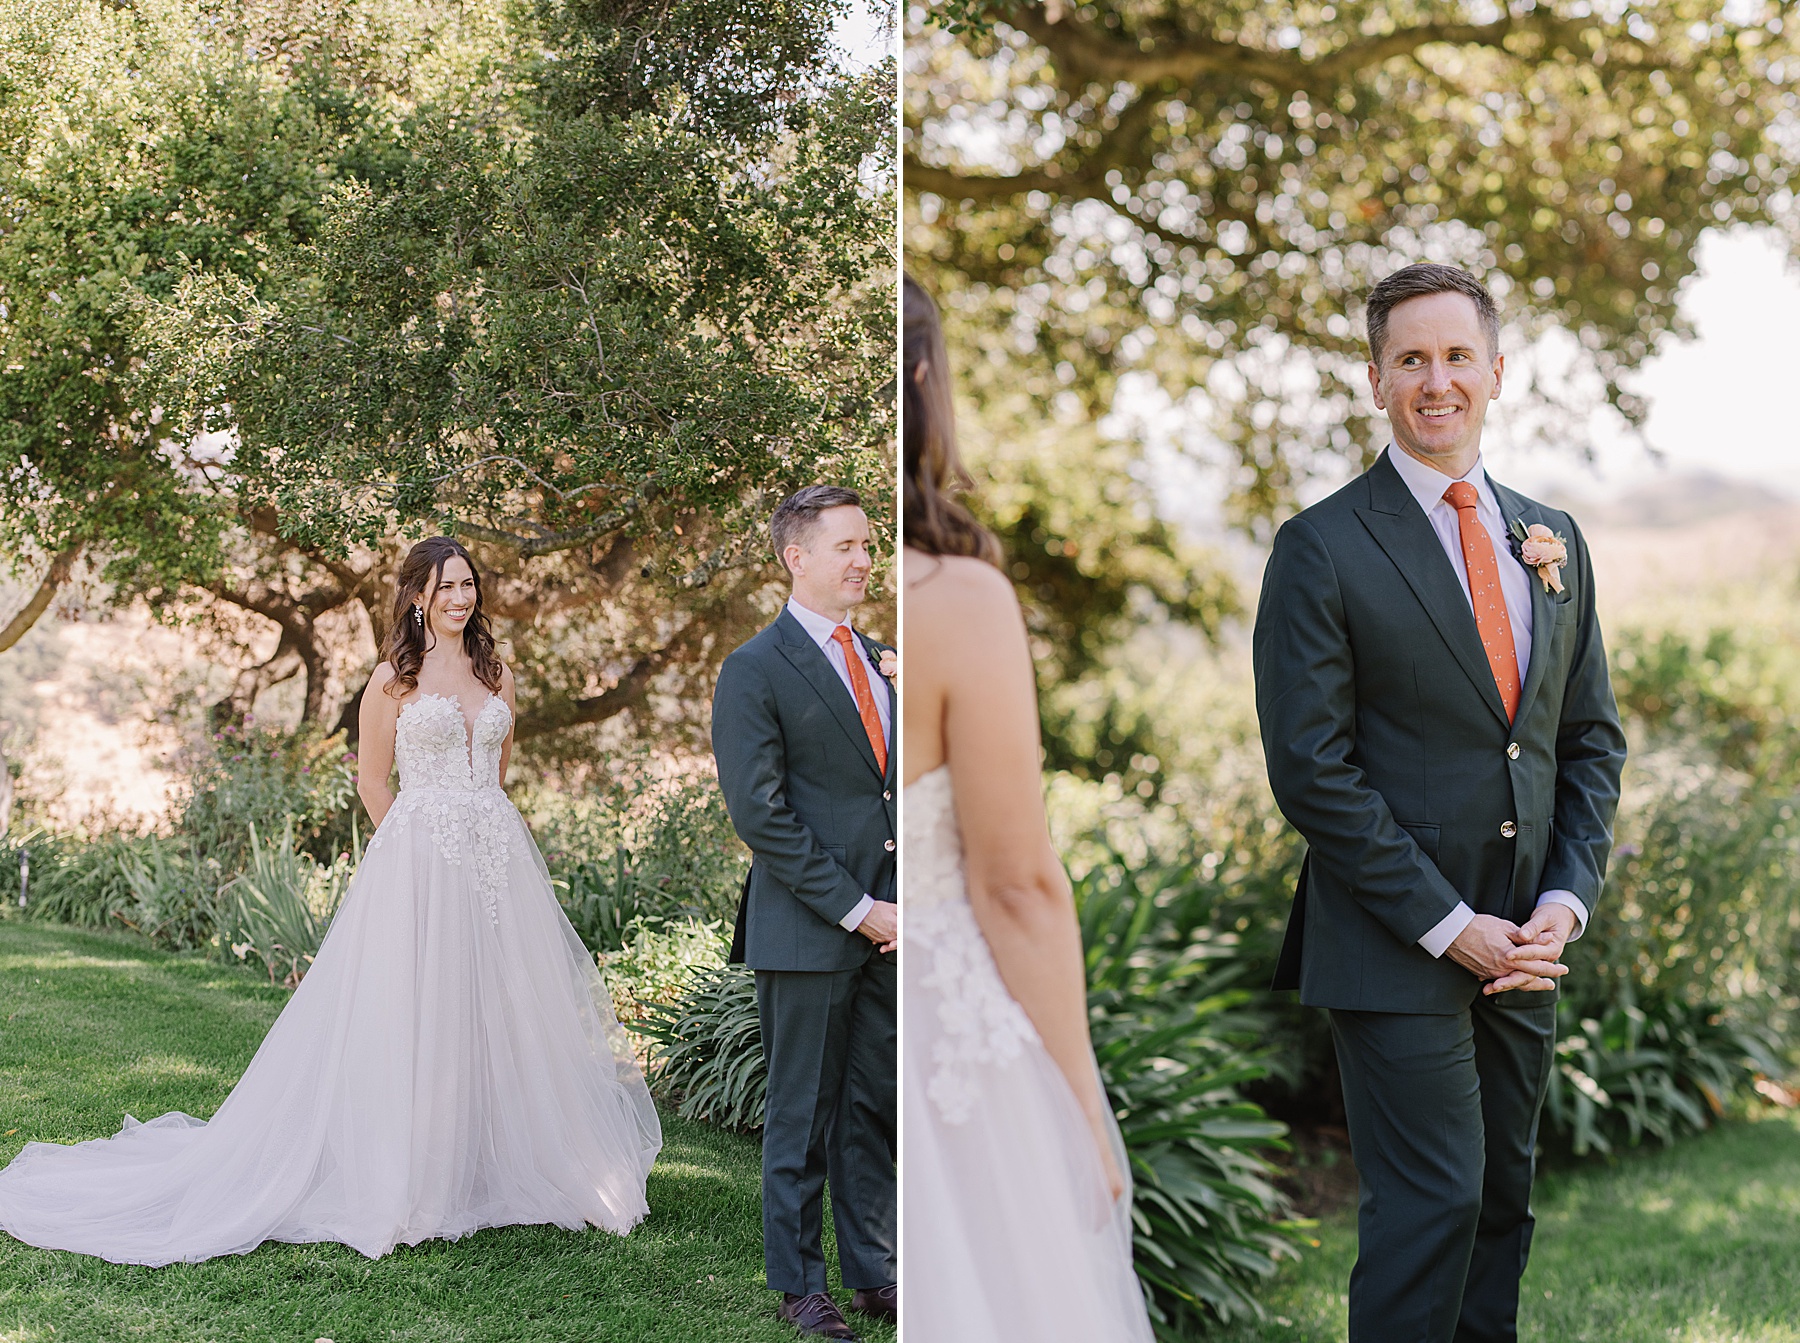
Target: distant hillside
[1676, 501]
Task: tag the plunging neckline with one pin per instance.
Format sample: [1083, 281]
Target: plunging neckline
[467, 722]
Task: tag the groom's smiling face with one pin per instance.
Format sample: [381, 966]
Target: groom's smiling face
[1436, 377]
[830, 568]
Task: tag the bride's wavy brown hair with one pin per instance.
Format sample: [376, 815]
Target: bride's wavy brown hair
[932, 518]
[405, 646]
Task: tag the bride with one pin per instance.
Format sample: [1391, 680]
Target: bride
[450, 1062]
[1017, 1210]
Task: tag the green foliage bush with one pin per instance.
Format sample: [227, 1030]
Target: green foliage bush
[297, 785]
[706, 1050]
[1653, 1064]
[172, 897]
[1684, 988]
[77, 878]
[269, 779]
[280, 906]
[657, 963]
[640, 855]
[1175, 1043]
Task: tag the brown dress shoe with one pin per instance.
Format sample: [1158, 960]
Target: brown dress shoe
[882, 1301]
[816, 1314]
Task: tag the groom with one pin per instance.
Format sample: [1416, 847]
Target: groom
[1439, 726]
[803, 727]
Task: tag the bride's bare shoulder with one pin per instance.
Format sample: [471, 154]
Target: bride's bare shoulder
[957, 587]
[379, 680]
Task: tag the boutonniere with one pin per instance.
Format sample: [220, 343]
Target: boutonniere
[1537, 547]
[889, 666]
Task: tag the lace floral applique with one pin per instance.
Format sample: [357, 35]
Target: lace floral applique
[450, 777]
[984, 1026]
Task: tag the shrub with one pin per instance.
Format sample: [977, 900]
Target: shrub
[269, 779]
[78, 880]
[280, 907]
[1175, 1043]
[706, 1051]
[605, 898]
[172, 897]
[648, 854]
[1682, 991]
[1653, 1064]
[658, 962]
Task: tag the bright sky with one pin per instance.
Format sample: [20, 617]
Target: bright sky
[866, 33]
[1718, 402]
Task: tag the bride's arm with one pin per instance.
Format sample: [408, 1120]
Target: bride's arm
[375, 719]
[512, 709]
[1017, 887]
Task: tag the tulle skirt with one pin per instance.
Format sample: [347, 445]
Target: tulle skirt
[1010, 1233]
[450, 1062]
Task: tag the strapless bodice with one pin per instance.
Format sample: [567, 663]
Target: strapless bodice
[952, 971]
[934, 851]
[435, 748]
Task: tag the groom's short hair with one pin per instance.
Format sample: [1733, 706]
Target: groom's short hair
[1416, 281]
[795, 515]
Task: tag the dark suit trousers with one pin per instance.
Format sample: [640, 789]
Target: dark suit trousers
[1443, 1115]
[829, 1042]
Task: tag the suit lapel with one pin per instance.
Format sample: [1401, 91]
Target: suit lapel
[810, 661]
[1543, 611]
[1400, 528]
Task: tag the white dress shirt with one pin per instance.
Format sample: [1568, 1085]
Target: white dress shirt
[819, 629]
[1428, 484]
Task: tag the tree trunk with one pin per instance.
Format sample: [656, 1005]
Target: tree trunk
[285, 662]
[350, 717]
[54, 578]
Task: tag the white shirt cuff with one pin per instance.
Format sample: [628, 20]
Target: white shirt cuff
[858, 912]
[1570, 899]
[1447, 929]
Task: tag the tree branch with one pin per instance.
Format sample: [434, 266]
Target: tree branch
[553, 542]
[60, 567]
[1087, 52]
[297, 649]
[630, 689]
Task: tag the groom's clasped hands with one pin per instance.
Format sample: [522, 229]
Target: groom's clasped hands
[1505, 956]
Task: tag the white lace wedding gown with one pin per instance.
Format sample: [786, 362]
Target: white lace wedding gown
[450, 1062]
[1010, 1235]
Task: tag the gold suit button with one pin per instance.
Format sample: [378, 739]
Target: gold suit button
[1512, 750]
[1508, 829]
[889, 846]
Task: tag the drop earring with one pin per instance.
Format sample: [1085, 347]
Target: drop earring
[419, 616]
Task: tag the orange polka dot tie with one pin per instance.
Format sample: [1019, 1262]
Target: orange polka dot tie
[865, 699]
[1491, 620]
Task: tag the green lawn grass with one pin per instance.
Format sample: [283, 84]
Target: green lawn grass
[1699, 1243]
[93, 1026]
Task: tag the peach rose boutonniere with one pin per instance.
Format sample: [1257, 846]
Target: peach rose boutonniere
[1542, 549]
[889, 666]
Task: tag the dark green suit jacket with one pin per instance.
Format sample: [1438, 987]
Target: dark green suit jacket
[1389, 750]
[807, 797]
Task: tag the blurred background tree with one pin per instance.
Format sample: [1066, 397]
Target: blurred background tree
[284, 286]
[1185, 201]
